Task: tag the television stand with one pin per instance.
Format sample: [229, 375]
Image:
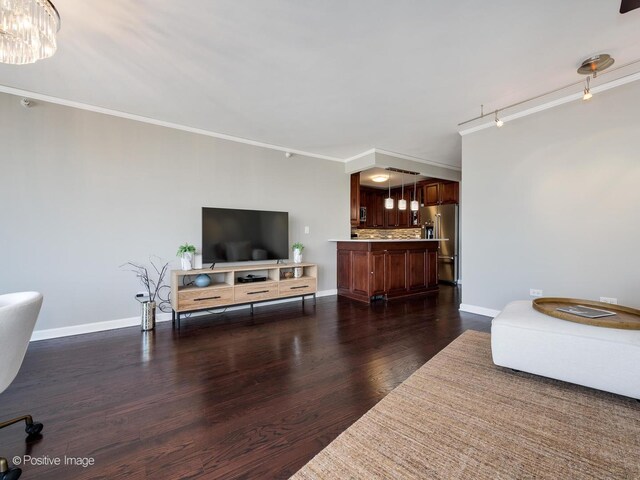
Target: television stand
[226, 291]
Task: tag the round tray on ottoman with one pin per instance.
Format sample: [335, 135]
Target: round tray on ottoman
[625, 317]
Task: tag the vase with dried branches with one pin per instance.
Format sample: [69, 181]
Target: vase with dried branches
[152, 279]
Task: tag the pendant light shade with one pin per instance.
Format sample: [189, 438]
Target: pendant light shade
[388, 203]
[402, 203]
[414, 203]
[28, 30]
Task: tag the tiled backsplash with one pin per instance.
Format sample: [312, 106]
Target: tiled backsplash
[398, 233]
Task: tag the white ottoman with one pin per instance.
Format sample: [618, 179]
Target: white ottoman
[603, 358]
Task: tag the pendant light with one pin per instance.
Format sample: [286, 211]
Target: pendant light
[402, 203]
[388, 203]
[415, 206]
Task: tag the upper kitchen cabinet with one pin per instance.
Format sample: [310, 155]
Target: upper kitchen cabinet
[355, 199]
[373, 202]
[441, 193]
[449, 192]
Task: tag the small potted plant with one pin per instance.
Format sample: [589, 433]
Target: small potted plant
[187, 254]
[297, 252]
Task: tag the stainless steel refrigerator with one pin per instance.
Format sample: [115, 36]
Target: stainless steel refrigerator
[443, 220]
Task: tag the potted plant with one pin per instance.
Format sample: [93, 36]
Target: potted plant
[297, 252]
[186, 253]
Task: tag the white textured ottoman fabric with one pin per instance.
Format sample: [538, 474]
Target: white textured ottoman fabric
[603, 358]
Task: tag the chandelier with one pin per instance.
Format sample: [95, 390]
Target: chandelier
[27, 30]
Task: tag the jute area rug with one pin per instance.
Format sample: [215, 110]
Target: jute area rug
[460, 416]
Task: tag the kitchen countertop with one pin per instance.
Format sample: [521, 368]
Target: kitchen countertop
[370, 240]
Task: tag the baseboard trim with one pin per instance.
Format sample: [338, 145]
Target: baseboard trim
[135, 321]
[487, 312]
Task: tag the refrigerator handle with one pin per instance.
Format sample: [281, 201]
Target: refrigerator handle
[437, 225]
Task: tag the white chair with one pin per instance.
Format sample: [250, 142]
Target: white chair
[18, 315]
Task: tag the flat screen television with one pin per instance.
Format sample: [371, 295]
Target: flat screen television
[230, 235]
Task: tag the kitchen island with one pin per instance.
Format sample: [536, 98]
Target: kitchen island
[386, 268]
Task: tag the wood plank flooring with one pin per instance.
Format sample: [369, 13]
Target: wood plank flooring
[228, 396]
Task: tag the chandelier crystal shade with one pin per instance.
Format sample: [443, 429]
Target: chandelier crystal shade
[28, 30]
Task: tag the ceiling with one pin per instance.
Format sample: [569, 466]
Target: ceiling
[334, 78]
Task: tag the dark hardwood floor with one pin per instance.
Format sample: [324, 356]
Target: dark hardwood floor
[229, 396]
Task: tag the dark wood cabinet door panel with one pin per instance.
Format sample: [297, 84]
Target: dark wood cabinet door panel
[377, 273]
[344, 269]
[432, 194]
[417, 260]
[432, 272]
[396, 272]
[449, 192]
[360, 272]
[355, 199]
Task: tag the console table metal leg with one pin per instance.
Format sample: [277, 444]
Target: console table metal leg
[173, 317]
[314, 299]
[178, 320]
[252, 309]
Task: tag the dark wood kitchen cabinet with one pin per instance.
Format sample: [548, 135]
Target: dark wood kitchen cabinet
[389, 269]
[441, 193]
[377, 216]
[355, 200]
[373, 201]
[449, 192]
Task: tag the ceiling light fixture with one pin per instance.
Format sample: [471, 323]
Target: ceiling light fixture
[415, 206]
[380, 178]
[402, 203]
[587, 91]
[591, 66]
[28, 30]
[388, 203]
[595, 64]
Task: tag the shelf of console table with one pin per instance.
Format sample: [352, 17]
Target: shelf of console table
[225, 290]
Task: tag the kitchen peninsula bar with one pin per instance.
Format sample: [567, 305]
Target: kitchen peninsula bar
[372, 269]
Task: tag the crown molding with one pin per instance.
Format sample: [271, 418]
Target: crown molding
[489, 123]
[433, 163]
[161, 123]
[360, 155]
[223, 136]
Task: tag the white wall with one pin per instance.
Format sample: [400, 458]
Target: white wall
[552, 201]
[82, 193]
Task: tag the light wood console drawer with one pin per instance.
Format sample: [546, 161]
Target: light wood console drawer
[299, 286]
[255, 292]
[193, 299]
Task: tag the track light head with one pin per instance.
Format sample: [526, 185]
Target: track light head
[587, 91]
[498, 121]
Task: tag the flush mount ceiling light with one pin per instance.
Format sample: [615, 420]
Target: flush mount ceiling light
[380, 178]
[28, 30]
